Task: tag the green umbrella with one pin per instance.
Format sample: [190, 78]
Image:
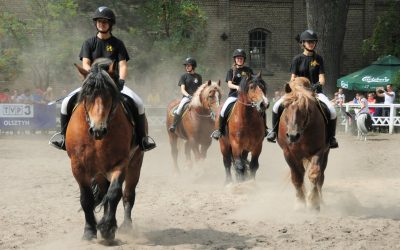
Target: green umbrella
[378, 74]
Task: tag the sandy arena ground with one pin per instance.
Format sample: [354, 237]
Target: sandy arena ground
[40, 208]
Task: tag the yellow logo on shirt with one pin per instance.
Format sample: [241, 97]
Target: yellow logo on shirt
[314, 63]
[109, 48]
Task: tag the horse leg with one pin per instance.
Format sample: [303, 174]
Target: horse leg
[314, 175]
[227, 159]
[108, 224]
[188, 150]
[240, 166]
[254, 162]
[173, 141]
[131, 180]
[297, 175]
[87, 202]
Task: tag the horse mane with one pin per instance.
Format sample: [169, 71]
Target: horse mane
[300, 95]
[196, 100]
[244, 86]
[98, 82]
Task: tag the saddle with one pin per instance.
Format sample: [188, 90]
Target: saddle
[324, 110]
[184, 109]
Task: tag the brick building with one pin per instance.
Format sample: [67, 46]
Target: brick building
[266, 30]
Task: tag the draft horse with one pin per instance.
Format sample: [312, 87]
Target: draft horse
[303, 139]
[196, 124]
[245, 129]
[101, 145]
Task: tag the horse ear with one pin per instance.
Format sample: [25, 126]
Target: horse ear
[219, 83]
[209, 82]
[83, 72]
[259, 75]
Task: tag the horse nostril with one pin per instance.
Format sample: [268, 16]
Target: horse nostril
[91, 131]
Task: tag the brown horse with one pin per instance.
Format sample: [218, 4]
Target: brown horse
[100, 143]
[197, 122]
[246, 129]
[302, 137]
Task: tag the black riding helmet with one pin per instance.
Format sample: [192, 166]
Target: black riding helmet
[308, 35]
[239, 52]
[190, 61]
[104, 12]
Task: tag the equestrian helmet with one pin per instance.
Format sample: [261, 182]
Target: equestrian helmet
[104, 12]
[239, 52]
[308, 35]
[190, 61]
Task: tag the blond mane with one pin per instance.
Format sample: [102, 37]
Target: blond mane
[196, 101]
[300, 94]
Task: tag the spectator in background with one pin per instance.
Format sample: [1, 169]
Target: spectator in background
[5, 96]
[37, 96]
[371, 100]
[48, 95]
[341, 96]
[14, 96]
[356, 99]
[335, 100]
[25, 97]
[388, 95]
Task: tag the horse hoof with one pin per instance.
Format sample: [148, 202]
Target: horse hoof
[89, 235]
[126, 227]
[107, 229]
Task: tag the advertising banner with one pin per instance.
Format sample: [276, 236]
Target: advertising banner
[15, 116]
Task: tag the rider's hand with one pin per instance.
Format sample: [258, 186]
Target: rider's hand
[121, 83]
[316, 87]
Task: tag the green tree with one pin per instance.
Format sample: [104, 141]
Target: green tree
[54, 41]
[13, 38]
[385, 39]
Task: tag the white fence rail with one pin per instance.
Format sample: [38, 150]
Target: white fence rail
[381, 121]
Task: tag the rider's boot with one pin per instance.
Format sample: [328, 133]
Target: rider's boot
[58, 139]
[177, 118]
[221, 130]
[331, 134]
[271, 137]
[143, 139]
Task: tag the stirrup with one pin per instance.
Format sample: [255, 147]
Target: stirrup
[271, 137]
[58, 143]
[147, 145]
[216, 134]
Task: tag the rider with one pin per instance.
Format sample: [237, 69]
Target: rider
[310, 65]
[233, 78]
[104, 44]
[189, 82]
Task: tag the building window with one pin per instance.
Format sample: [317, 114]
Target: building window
[257, 47]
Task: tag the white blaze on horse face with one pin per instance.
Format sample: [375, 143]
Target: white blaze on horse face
[98, 114]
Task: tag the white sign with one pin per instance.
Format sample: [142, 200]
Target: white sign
[374, 79]
[16, 110]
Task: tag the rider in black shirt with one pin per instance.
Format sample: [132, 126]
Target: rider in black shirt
[233, 78]
[189, 83]
[310, 65]
[104, 44]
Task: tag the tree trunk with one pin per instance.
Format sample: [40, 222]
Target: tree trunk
[328, 19]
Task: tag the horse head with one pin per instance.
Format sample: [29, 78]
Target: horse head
[253, 90]
[297, 108]
[208, 97]
[99, 96]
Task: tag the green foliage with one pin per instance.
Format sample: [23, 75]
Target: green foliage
[385, 39]
[13, 37]
[53, 41]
